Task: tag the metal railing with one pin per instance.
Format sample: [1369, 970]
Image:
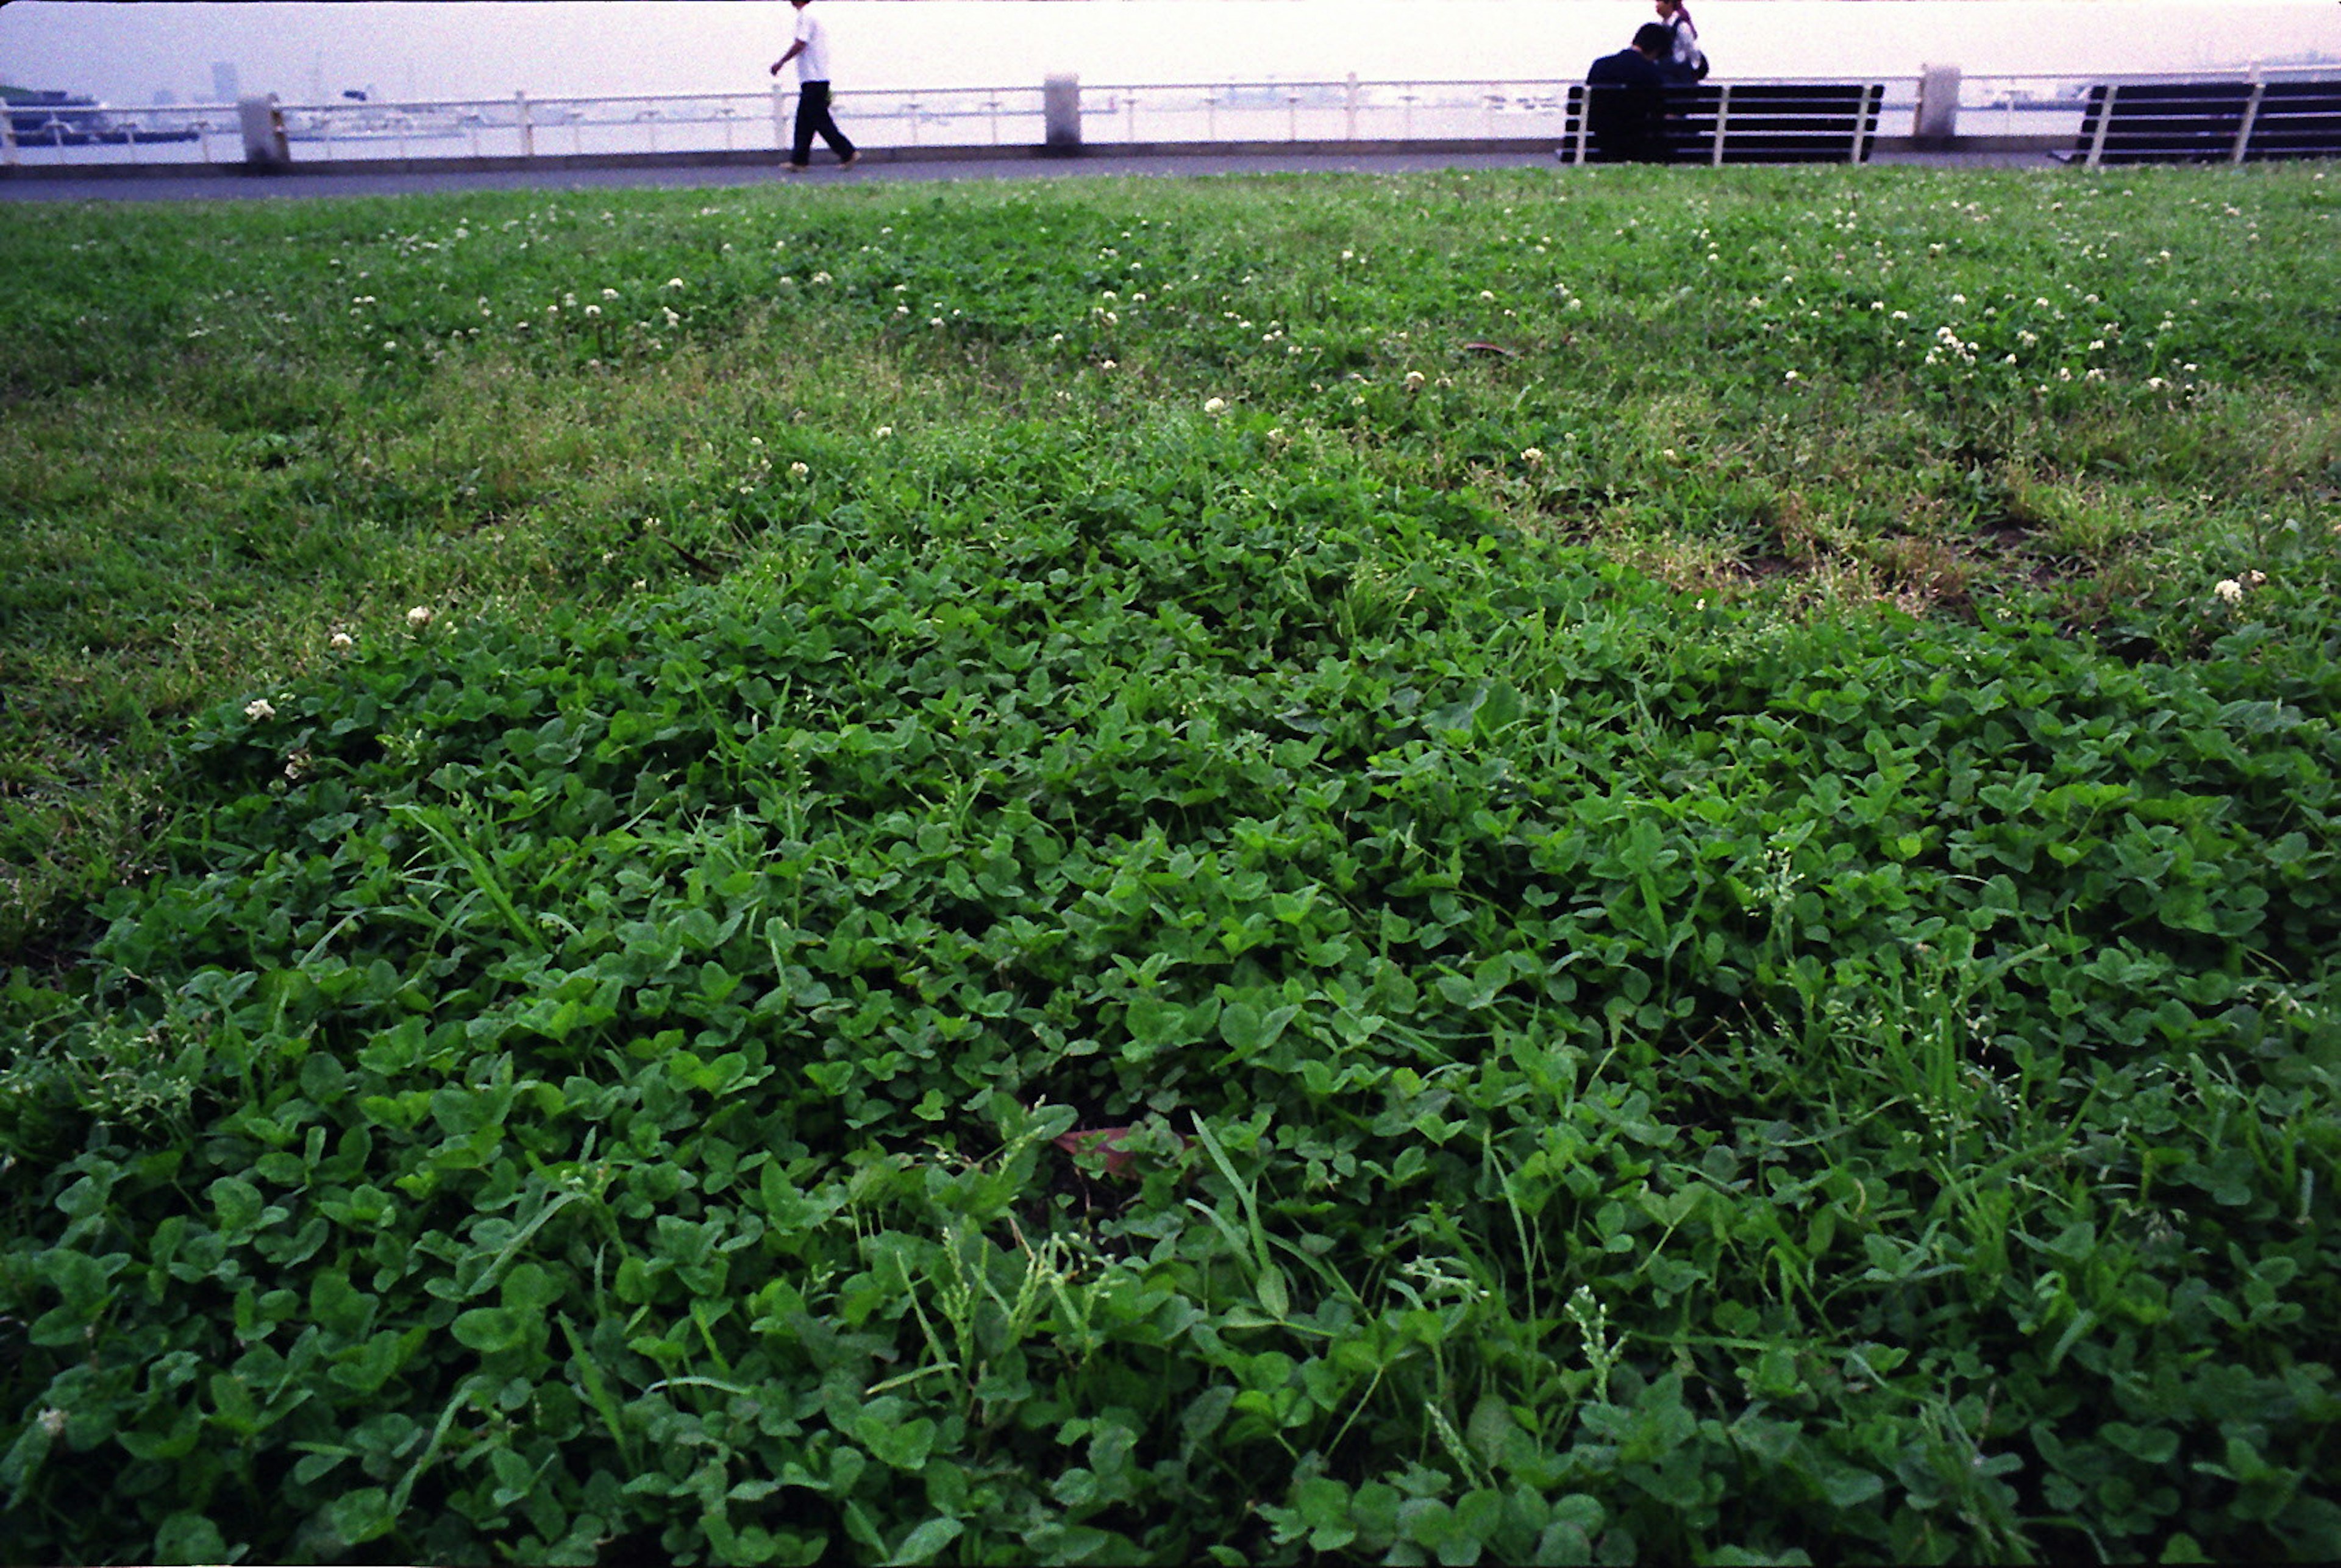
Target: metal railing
[2039, 105]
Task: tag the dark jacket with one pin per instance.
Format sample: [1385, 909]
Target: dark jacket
[1626, 110]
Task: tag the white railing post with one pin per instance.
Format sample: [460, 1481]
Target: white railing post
[1722, 122]
[2251, 117]
[780, 118]
[527, 126]
[1935, 120]
[1584, 98]
[7, 137]
[1349, 110]
[1060, 113]
[2105, 122]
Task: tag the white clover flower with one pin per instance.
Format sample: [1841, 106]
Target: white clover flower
[1057, 338]
[1137, 298]
[53, 1421]
[821, 277]
[1958, 299]
[259, 708]
[1277, 433]
[2155, 383]
[341, 641]
[2255, 578]
[1106, 364]
[609, 294]
[2228, 589]
[798, 471]
[419, 617]
[592, 310]
[1414, 378]
[1215, 406]
[1901, 315]
[675, 283]
[901, 310]
[934, 320]
[1487, 294]
[1532, 455]
[1110, 296]
[1792, 375]
[884, 431]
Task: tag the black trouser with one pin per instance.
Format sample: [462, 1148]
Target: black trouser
[814, 117]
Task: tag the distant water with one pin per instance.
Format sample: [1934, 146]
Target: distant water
[129, 53]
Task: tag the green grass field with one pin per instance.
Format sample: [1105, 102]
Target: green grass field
[1540, 866]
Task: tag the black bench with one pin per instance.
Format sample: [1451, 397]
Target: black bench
[1750, 122]
[2208, 122]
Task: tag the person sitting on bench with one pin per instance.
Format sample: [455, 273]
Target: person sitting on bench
[1626, 103]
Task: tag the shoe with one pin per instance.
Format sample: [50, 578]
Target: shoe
[849, 159]
[794, 168]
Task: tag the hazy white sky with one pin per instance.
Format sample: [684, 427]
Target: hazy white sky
[129, 53]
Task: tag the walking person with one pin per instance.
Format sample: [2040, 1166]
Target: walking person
[810, 52]
[1685, 61]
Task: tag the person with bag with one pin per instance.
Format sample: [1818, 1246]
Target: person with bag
[810, 50]
[1686, 61]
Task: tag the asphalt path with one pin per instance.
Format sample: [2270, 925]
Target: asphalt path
[233, 182]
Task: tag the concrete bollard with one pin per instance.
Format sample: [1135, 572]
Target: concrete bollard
[265, 145]
[1061, 110]
[1937, 120]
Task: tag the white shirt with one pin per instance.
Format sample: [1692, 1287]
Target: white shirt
[1687, 50]
[813, 60]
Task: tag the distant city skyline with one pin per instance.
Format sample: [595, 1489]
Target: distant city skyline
[139, 52]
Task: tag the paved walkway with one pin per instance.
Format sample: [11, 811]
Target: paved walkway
[232, 182]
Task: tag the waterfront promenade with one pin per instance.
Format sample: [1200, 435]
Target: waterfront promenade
[685, 171]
